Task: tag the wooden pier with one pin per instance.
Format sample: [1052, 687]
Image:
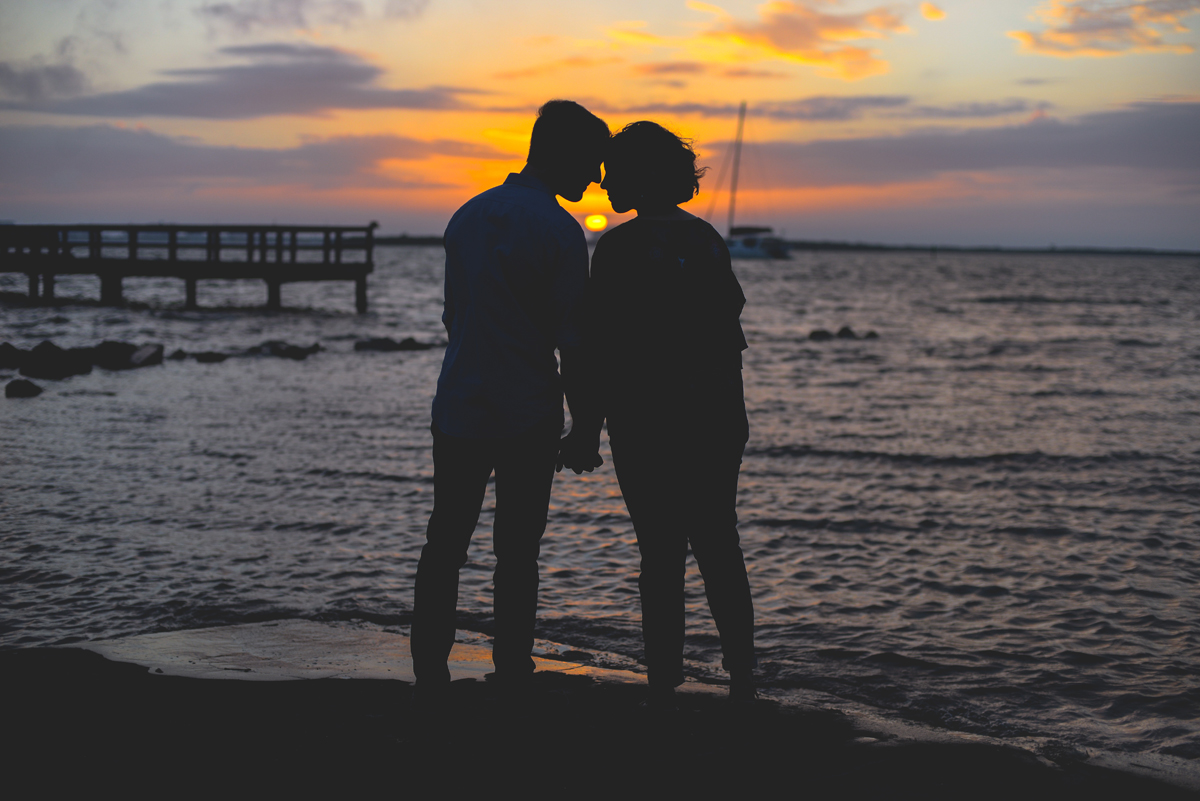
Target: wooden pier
[275, 254]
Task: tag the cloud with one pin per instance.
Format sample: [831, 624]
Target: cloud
[744, 72]
[91, 158]
[825, 108]
[252, 16]
[1099, 28]
[931, 12]
[671, 68]
[404, 9]
[629, 34]
[958, 111]
[800, 32]
[298, 79]
[1152, 137]
[39, 82]
[664, 69]
[572, 62]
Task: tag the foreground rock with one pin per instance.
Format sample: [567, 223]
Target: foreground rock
[12, 357]
[20, 388]
[387, 344]
[49, 361]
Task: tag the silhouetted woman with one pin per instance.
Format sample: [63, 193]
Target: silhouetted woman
[664, 344]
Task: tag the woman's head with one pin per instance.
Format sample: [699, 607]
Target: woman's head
[648, 168]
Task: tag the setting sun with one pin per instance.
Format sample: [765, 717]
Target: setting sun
[596, 222]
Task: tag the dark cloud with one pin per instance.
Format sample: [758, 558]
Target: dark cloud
[815, 109]
[743, 72]
[1155, 137]
[40, 82]
[280, 79]
[830, 108]
[671, 68]
[958, 111]
[405, 9]
[64, 160]
[252, 16]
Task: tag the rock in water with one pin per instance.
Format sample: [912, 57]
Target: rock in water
[20, 388]
[124, 356]
[211, 357]
[387, 344]
[846, 332]
[146, 356]
[12, 357]
[48, 360]
[178, 355]
[820, 335]
[113, 355]
[284, 350]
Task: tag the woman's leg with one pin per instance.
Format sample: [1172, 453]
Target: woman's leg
[649, 485]
[710, 506]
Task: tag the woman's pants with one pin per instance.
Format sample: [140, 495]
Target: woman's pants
[678, 491]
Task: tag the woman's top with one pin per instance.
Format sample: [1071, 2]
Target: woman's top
[662, 330]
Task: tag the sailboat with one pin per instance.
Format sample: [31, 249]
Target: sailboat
[748, 241]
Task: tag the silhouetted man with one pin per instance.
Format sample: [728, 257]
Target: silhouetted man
[516, 266]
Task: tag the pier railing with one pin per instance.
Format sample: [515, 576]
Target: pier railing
[276, 254]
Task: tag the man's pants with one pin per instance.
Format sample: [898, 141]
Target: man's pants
[524, 468]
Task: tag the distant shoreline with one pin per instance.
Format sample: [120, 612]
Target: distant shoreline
[803, 244]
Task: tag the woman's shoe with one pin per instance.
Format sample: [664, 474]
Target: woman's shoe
[742, 689]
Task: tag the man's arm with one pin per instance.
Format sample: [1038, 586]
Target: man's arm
[448, 304]
[580, 450]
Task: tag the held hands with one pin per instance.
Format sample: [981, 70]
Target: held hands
[580, 456]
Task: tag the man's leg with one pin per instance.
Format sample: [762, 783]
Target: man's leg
[461, 468]
[524, 476]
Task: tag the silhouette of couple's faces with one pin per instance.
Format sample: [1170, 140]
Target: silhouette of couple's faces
[571, 180]
[623, 194]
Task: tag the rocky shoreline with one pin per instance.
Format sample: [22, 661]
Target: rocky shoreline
[49, 362]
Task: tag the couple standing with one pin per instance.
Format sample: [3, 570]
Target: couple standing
[651, 343]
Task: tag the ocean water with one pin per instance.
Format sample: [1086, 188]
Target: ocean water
[986, 519]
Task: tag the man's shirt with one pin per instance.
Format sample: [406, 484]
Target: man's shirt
[516, 267]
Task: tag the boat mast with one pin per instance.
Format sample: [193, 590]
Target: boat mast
[737, 157]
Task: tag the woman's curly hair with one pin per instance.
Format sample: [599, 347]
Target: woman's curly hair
[664, 164]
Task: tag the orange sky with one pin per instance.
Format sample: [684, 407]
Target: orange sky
[957, 122]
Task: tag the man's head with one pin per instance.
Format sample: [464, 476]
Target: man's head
[567, 147]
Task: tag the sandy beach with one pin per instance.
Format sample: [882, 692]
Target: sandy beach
[296, 706]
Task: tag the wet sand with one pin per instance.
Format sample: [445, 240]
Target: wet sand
[76, 720]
